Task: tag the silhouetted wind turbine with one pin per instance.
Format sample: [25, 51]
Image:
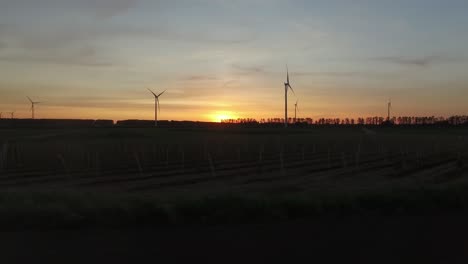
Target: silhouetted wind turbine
[156, 106]
[33, 104]
[12, 114]
[296, 108]
[389, 108]
[287, 86]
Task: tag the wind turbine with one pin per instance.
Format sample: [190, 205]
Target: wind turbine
[296, 108]
[156, 106]
[287, 86]
[33, 104]
[12, 114]
[389, 108]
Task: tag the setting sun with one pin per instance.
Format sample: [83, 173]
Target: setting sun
[219, 116]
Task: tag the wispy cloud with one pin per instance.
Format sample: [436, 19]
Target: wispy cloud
[197, 36]
[85, 56]
[200, 78]
[331, 73]
[101, 8]
[4, 30]
[247, 70]
[230, 83]
[425, 61]
[110, 8]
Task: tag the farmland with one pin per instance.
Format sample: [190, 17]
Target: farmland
[248, 161]
[240, 165]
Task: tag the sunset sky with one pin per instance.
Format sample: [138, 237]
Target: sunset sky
[95, 58]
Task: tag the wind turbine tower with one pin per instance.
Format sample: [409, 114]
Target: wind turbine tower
[156, 106]
[389, 108]
[33, 104]
[287, 86]
[295, 111]
[12, 115]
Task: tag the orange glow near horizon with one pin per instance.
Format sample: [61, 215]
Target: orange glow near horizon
[57, 112]
[182, 106]
[220, 115]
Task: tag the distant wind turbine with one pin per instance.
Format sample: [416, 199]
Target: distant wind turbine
[389, 108]
[33, 104]
[296, 108]
[287, 86]
[156, 106]
[12, 114]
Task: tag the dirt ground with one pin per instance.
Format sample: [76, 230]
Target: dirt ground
[396, 239]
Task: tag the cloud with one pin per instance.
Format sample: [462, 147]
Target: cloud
[200, 78]
[247, 70]
[110, 8]
[331, 74]
[200, 36]
[4, 29]
[230, 82]
[252, 70]
[64, 46]
[348, 74]
[5, 32]
[100, 8]
[426, 61]
[85, 56]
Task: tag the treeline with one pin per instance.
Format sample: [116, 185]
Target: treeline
[54, 123]
[241, 122]
[376, 120]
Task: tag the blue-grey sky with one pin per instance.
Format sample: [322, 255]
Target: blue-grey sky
[95, 58]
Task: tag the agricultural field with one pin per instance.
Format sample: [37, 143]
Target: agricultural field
[188, 164]
[171, 162]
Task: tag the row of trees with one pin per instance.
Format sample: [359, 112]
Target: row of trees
[376, 120]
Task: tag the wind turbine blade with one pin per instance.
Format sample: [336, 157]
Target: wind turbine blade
[291, 89]
[161, 93]
[151, 92]
[287, 74]
[29, 99]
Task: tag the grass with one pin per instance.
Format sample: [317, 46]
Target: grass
[20, 210]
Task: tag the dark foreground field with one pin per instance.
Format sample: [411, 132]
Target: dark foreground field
[169, 163]
[408, 239]
[375, 195]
